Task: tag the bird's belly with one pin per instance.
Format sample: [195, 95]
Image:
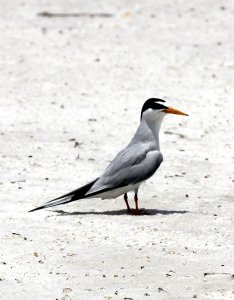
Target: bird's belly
[117, 192]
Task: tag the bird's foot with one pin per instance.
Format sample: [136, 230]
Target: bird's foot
[138, 212]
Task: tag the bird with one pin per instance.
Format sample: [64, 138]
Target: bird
[132, 166]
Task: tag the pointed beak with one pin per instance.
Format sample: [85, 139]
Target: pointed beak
[171, 110]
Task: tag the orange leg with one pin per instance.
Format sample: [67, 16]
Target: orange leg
[136, 203]
[126, 201]
[137, 211]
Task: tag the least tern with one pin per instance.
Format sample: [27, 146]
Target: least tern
[137, 162]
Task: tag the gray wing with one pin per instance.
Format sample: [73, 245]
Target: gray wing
[135, 163]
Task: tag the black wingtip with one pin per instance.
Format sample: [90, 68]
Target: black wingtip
[37, 208]
[74, 195]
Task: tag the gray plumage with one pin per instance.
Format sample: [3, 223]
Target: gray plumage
[138, 161]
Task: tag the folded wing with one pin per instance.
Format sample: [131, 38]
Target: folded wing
[129, 167]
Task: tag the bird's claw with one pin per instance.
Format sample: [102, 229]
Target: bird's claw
[138, 212]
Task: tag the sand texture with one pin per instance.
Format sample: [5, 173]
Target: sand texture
[72, 84]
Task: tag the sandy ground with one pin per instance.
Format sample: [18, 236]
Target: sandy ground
[71, 93]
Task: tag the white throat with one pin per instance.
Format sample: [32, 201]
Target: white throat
[155, 125]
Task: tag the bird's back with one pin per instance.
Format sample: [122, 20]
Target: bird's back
[135, 163]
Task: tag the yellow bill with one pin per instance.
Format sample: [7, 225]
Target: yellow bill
[171, 110]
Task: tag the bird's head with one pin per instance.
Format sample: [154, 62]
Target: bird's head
[156, 109]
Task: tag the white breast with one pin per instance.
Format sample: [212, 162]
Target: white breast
[117, 192]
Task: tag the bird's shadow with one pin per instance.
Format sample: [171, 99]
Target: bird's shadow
[146, 212]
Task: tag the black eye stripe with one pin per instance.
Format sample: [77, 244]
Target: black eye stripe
[153, 103]
[158, 106]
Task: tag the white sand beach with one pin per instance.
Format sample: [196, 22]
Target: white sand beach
[71, 92]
